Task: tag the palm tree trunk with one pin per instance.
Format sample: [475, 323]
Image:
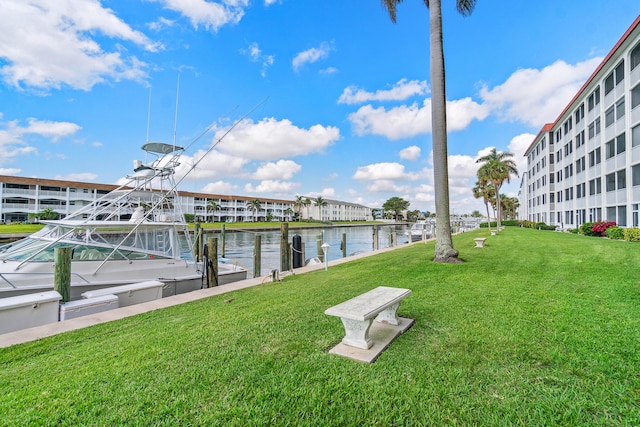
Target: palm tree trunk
[444, 245]
[498, 210]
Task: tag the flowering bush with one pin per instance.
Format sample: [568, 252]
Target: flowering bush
[599, 228]
[632, 234]
[615, 233]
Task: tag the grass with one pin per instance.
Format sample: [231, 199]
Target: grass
[537, 328]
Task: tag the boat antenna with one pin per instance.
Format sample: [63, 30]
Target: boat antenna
[175, 121]
[148, 115]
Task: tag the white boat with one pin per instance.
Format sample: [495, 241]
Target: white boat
[421, 228]
[132, 234]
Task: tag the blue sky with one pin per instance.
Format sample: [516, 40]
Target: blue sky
[346, 111]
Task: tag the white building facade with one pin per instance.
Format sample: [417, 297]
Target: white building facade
[22, 196]
[585, 166]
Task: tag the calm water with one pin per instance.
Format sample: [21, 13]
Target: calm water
[239, 245]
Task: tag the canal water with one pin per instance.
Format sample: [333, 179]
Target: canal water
[239, 244]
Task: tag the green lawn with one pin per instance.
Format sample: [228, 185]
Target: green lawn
[537, 328]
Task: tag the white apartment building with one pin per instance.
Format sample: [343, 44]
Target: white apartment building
[585, 166]
[22, 196]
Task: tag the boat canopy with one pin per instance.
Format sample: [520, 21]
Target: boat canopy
[161, 148]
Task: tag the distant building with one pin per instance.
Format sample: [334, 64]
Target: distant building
[22, 196]
[585, 166]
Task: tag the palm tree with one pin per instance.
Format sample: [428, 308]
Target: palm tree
[445, 251]
[486, 191]
[320, 203]
[307, 202]
[510, 206]
[496, 168]
[254, 205]
[213, 206]
[288, 212]
[298, 204]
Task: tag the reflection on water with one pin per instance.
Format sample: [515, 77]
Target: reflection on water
[239, 244]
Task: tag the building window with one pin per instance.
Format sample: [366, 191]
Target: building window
[621, 144]
[579, 114]
[610, 182]
[635, 57]
[635, 175]
[620, 108]
[595, 186]
[635, 97]
[622, 216]
[634, 214]
[608, 83]
[610, 149]
[621, 176]
[619, 72]
[594, 99]
[635, 136]
[609, 116]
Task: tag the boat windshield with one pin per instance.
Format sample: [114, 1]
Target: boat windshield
[92, 244]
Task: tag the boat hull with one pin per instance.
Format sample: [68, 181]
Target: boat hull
[177, 277]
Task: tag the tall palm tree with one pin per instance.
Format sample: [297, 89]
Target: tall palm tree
[254, 205]
[307, 202]
[288, 212]
[298, 204]
[213, 206]
[320, 203]
[497, 168]
[445, 251]
[486, 191]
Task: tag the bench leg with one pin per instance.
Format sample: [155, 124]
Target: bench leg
[389, 315]
[357, 333]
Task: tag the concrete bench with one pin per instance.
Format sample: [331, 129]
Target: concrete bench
[479, 242]
[358, 313]
[493, 232]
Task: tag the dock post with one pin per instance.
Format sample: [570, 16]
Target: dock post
[284, 246]
[62, 272]
[223, 239]
[343, 245]
[212, 262]
[257, 256]
[319, 247]
[197, 251]
[375, 238]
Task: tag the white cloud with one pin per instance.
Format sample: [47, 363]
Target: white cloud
[310, 56]
[255, 55]
[13, 136]
[83, 176]
[211, 166]
[536, 97]
[271, 139]
[282, 169]
[220, 187]
[400, 91]
[161, 23]
[273, 186]
[10, 171]
[518, 145]
[211, 15]
[383, 171]
[46, 44]
[408, 121]
[410, 153]
[329, 71]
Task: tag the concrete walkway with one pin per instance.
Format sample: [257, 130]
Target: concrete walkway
[38, 332]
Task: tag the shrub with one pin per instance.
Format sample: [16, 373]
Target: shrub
[599, 228]
[632, 234]
[586, 229]
[510, 223]
[573, 230]
[615, 233]
[485, 225]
